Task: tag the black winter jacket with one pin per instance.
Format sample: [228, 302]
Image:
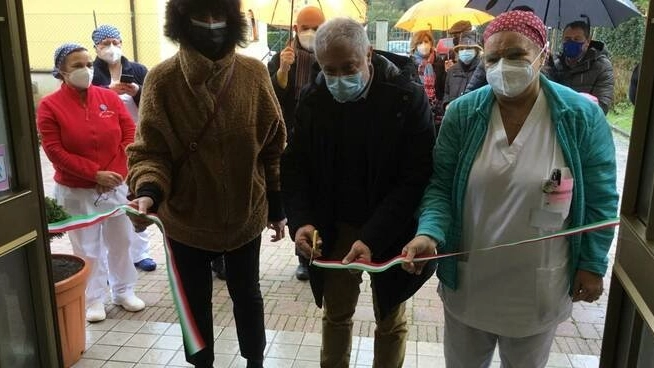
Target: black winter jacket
[398, 156]
[593, 74]
[457, 79]
[102, 76]
[477, 80]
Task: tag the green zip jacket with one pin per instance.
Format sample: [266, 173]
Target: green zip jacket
[587, 144]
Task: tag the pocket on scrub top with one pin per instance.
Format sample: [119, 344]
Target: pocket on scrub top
[552, 286]
[556, 199]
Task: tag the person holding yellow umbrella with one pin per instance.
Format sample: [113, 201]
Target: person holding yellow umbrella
[440, 15]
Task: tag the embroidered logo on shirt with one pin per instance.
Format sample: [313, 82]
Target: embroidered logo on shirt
[104, 112]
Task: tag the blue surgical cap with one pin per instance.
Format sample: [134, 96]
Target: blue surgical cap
[105, 31]
[61, 53]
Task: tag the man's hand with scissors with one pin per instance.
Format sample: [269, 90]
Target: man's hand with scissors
[308, 242]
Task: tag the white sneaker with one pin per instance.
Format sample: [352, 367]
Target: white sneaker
[95, 312]
[129, 302]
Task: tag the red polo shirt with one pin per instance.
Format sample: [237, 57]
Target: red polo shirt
[83, 137]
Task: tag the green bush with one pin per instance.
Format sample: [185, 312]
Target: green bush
[625, 41]
[622, 68]
[625, 46]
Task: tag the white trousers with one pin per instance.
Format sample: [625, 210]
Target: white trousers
[110, 238]
[140, 246]
[138, 250]
[468, 347]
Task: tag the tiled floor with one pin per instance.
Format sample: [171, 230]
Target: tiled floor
[126, 344]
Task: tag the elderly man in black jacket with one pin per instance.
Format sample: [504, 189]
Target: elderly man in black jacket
[355, 170]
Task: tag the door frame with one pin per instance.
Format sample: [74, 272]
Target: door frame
[23, 209]
[630, 309]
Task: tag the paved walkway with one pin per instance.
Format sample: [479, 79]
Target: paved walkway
[151, 336]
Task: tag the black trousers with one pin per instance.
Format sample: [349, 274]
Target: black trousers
[242, 271]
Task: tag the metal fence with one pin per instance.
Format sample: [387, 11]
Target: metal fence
[141, 34]
[396, 38]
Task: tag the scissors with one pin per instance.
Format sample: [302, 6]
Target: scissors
[314, 245]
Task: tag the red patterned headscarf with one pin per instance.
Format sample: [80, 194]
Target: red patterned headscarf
[524, 22]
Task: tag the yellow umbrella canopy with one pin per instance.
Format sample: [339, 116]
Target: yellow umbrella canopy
[279, 12]
[440, 15]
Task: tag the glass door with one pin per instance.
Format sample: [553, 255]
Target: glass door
[27, 316]
[629, 331]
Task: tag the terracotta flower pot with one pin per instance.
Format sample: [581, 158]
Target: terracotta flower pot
[71, 305]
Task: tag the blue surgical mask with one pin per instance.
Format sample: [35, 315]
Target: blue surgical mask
[572, 49]
[467, 55]
[345, 88]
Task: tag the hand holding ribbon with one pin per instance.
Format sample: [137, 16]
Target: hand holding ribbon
[358, 253]
[420, 246]
[140, 221]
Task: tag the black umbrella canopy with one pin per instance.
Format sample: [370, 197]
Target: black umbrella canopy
[558, 13]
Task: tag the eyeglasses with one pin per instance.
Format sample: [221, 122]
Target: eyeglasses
[110, 41]
[102, 197]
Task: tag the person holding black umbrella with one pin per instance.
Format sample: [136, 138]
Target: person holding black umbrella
[584, 64]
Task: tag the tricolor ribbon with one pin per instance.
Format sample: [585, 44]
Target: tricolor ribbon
[192, 338]
[383, 266]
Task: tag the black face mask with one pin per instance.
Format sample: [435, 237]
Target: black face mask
[208, 41]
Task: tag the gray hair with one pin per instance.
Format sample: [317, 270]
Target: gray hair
[341, 30]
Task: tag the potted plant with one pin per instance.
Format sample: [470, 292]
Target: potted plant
[70, 274]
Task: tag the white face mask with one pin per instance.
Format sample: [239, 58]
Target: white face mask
[110, 54]
[424, 49]
[510, 78]
[80, 78]
[307, 39]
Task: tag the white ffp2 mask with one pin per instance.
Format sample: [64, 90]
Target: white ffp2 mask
[307, 39]
[510, 78]
[81, 78]
[110, 54]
